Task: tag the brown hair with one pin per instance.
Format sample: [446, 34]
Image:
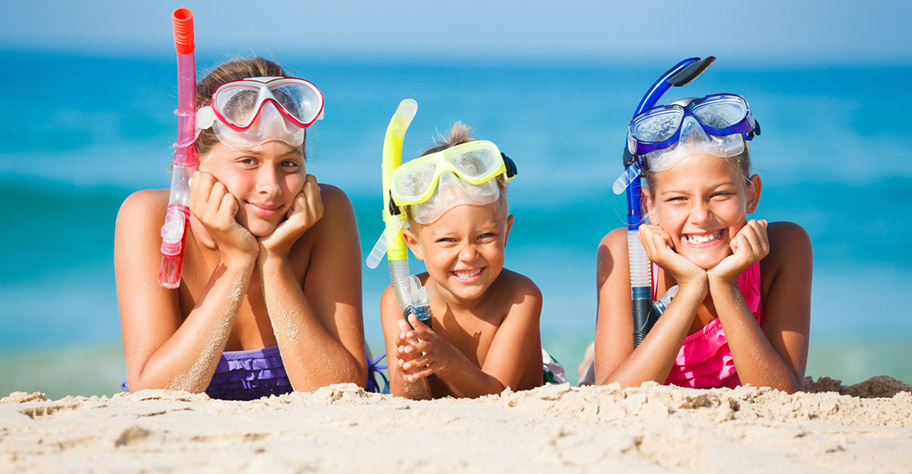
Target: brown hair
[460, 133]
[228, 71]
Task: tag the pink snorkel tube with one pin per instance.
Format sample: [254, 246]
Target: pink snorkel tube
[185, 161]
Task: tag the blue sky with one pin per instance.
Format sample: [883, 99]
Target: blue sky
[791, 32]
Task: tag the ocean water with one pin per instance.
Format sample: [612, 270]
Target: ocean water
[78, 134]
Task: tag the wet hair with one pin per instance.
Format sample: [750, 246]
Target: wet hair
[741, 162]
[228, 71]
[458, 134]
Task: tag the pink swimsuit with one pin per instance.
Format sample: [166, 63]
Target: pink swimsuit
[704, 360]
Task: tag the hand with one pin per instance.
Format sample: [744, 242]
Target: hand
[216, 209]
[421, 352]
[659, 248]
[749, 246]
[305, 211]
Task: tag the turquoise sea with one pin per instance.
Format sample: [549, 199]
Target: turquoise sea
[80, 133]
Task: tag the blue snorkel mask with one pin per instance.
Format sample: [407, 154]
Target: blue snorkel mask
[659, 137]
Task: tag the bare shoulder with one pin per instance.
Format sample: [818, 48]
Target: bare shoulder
[334, 199]
[791, 256]
[518, 288]
[787, 241]
[144, 202]
[519, 282]
[615, 242]
[141, 210]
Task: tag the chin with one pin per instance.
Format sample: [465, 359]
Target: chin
[258, 228]
[706, 262]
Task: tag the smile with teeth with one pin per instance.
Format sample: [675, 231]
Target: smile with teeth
[467, 275]
[702, 240]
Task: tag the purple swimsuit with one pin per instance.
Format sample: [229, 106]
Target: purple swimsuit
[258, 373]
[248, 375]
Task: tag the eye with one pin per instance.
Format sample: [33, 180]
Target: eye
[486, 236]
[248, 161]
[290, 165]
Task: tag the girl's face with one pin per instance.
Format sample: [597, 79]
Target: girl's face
[702, 202]
[463, 250]
[264, 179]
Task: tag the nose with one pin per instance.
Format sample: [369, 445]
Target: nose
[268, 181]
[468, 253]
[700, 212]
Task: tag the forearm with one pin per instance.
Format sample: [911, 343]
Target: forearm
[756, 361]
[417, 390]
[653, 358]
[312, 355]
[466, 380]
[187, 360]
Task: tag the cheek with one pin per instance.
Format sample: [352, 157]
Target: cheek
[294, 183]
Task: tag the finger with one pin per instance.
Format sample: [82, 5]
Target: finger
[313, 198]
[203, 184]
[416, 323]
[417, 363]
[228, 207]
[403, 327]
[194, 189]
[419, 374]
[214, 201]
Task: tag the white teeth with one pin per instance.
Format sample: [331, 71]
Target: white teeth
[467, 273]
[702, 239]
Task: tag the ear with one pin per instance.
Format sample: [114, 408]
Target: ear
[507, 231]
[411, 240]
[753, 193]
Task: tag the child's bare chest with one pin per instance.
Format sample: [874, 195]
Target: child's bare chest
[470, 335]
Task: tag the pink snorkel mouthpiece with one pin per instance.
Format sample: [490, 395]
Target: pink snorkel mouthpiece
[185, 161]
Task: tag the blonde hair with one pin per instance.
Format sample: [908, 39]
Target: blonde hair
[228, 71]
[458, 134]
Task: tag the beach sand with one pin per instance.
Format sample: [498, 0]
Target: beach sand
[865, 427]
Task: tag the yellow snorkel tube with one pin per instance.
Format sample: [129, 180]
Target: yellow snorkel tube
[411, 296]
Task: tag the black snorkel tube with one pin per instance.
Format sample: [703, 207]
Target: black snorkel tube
[640, 268]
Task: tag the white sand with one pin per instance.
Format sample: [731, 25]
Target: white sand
[865, 428]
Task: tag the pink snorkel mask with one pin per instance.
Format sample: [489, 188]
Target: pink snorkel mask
[248, 112]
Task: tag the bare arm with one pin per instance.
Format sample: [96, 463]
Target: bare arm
[319, 326]
[161, 349]
[514, 350]
[615, 357]
[774, 355]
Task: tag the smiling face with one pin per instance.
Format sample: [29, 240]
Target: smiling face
[264, 179]
[702, 202]
[463, 250]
